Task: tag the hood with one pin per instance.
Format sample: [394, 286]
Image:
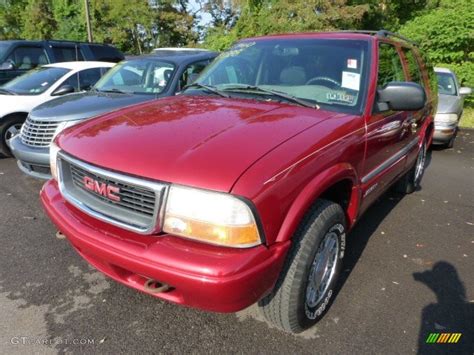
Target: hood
[18, 103]
[196, 141]
[449, 104]
[85, 105]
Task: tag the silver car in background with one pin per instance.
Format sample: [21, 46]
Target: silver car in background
[450, 107]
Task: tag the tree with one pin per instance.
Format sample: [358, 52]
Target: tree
[11, 18]
[38, 20]
[446, 34]
[70, 18]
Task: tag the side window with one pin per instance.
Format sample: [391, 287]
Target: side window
[432, 79]
[106, 53]
[26, 58]
[390, 66]
[67, 54]
[413, 67]
[191, 72]
[73, 80]
[88, 78]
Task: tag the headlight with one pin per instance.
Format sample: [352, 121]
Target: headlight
[446, 118]
[211, 217]
[53, 160]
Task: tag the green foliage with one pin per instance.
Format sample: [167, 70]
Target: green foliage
[446, 34]
[38, 20]
[261, 17]
[11, 20]
[69, 16]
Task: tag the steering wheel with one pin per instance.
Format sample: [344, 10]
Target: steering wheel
[323, 78]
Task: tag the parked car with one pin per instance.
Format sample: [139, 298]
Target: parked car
[178, 50]
[244, 188]
[19, 56]
[450, 107]
[19, 96]
[130, 82]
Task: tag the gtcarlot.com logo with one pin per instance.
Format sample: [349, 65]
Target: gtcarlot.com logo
[24, 340]
[443, 338]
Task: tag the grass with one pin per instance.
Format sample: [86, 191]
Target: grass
[467, 118]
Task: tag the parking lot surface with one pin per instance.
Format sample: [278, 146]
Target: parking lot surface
[408, 273]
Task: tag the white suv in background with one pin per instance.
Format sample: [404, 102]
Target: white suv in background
[19, 96]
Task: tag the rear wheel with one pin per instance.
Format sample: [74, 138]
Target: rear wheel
[306, 285]
[411, 180]
[9, 127]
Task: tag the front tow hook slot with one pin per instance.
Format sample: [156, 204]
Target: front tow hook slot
[154, 286]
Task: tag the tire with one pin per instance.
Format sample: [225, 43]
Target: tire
[450, 143]
[294, 304]
[7, 126]
[411, 180]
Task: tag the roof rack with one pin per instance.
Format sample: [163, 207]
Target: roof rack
[383, 33]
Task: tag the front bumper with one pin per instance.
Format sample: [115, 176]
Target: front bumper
[200, 275]
[32, 161]
[443, 134]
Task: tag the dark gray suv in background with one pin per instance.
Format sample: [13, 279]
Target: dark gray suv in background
[130, 82]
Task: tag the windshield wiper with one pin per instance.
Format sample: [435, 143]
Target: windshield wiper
[208, 88]
[272, 92]
[113, 90]
[8, 92]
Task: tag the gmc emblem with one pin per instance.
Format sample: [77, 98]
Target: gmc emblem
[101, 188]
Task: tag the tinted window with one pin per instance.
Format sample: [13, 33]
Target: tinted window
[67, 54]
[106, 53]
[88, 77]
[138, 76]
[27, 58]
[331, 73]
[3, 49]
[390, 66]
[191, 72]
[446, 84]
[36, 81]
[413, 67]
[73, 81]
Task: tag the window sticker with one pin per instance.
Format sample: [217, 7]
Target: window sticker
[350, 80]
[340, 97]
[44, 84]
[352, 63]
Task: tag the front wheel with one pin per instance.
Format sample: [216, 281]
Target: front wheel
[306, 285]
[9, 127]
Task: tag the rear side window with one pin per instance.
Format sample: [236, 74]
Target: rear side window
[88, 77]
[413, 67]
[106, 53]
[67, 54]
[26, 58]
[390, 65]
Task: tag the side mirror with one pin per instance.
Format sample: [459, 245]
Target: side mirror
[63, 90]
[464, 91]
[401, 96]
[7, 66]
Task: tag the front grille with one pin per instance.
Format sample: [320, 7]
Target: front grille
[38, 133]
[135, 204]
[131, 197]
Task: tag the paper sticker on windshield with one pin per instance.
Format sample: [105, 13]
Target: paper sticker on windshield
[44, 84]
[350, 80]
[352, 63]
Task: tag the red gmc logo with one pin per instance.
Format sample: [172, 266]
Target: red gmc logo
[101, 188]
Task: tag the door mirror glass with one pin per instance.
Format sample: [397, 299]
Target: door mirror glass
[63, 90]
[401, 96]
[465, 91]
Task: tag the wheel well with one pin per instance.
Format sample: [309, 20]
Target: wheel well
[16, 114]
[339, 193]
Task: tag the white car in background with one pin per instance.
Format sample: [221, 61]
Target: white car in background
[19, 96]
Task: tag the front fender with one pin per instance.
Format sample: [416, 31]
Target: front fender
[315, 188]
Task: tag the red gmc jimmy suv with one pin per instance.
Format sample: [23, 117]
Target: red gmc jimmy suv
[243, 188]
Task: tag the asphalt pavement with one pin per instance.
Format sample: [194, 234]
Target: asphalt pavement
[409, 272]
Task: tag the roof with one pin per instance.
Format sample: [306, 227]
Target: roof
[443, 70]
[28, 41]
[81, 65]
[177, 58]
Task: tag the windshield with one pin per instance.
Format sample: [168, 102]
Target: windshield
[3, 49]
[446, 84]
[137, 77]
[328, 73]
[36, 81]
